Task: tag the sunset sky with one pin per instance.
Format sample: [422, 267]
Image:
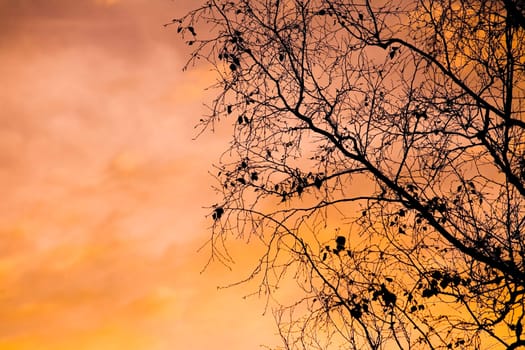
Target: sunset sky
[103, 187]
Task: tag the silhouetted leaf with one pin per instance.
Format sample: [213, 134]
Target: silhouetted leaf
[340, 241]
[356, 312]
[389, 298]
[241, 180]
[444, 283]
[318, 182]
[436, 275]
[393, 51]
[217, 213]
[429, 292]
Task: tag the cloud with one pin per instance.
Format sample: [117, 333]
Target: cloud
[103, 186]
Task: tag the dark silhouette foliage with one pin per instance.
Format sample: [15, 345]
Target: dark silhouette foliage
[378, 153]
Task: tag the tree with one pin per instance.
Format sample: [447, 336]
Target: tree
[378, 153]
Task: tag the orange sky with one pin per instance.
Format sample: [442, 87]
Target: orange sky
[102, 187]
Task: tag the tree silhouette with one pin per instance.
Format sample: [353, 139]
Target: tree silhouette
[378, 153]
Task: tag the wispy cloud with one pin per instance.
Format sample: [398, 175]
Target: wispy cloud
[103, 186]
